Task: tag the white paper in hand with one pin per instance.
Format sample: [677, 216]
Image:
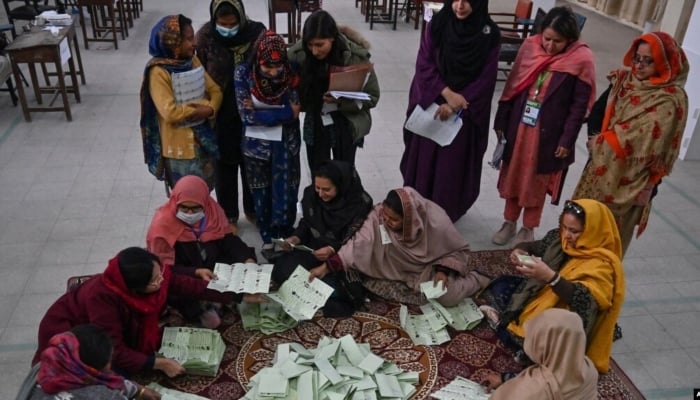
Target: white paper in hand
[423, 123]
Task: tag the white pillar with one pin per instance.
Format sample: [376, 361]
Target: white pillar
[690, 145]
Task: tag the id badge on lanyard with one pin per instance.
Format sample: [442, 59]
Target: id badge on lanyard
[531, 112]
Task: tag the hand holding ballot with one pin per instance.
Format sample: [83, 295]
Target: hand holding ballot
[241, 278]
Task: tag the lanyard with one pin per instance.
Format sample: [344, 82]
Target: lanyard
[198, 232]
[540, 80]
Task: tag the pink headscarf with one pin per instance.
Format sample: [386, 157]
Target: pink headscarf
[166, 229]
[61, 368]
[576, 59]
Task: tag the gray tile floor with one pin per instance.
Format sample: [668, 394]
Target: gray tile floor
[74, 193]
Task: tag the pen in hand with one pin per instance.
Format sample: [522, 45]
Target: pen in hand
[458, 114]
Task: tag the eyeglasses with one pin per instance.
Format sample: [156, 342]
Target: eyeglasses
[574, 208]
[643, 61]
[158, 279]
[190, 209]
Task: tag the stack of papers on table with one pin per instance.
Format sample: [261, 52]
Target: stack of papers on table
[461, 389]
[267, 317]
[241, 278]
[338, 369]
[172, 394]
[301, 298]
[54, 18]
[198, 350]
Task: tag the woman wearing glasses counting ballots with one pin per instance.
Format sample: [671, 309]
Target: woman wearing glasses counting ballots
[635, 131]
[125, 301]
[576, 267]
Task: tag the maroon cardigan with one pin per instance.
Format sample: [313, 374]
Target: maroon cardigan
[92, 302]
[561, 117]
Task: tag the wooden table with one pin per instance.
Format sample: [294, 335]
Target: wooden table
[288, 7]
[40, 46]
[102, 23]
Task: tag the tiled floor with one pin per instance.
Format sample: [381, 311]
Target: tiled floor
[74, 193]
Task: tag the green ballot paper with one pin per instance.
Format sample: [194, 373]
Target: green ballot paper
[198, 350]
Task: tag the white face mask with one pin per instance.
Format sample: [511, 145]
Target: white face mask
[190, 219]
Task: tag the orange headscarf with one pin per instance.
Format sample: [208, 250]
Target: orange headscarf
[641, 131]
[576, 59]
[669, 59]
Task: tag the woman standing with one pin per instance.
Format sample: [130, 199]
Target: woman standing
[223, 43]
[547, 95]
[269, 106]
[331, 125]
[176, 129]
[643, 122]
[456, 68]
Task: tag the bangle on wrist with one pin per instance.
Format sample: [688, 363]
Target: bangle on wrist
[139, 395]
[553, 282]
[332, 249]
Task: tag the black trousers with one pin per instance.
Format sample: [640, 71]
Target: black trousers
[342, 146]
[227, 189]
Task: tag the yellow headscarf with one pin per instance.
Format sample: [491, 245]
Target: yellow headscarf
[595, 263]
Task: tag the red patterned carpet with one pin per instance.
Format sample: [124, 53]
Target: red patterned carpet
[469, 354]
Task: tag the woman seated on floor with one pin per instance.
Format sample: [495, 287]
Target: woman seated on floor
[334, 207]
[191, 233]
[410, 239]
[126, 301]
[77, 365]
[556, 343]
[579, 270]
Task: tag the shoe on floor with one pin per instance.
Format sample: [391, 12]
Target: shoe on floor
[506, 232]
[210, 319]
[524, 235]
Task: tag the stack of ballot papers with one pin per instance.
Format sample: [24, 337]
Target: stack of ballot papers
[241, 278]
[198, 350]
[461, 389]
[172, 394]
[430, 327]
[267, 318]
[338, 369]
[299, 297]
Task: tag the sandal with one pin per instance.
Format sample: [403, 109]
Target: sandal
[492, 316]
